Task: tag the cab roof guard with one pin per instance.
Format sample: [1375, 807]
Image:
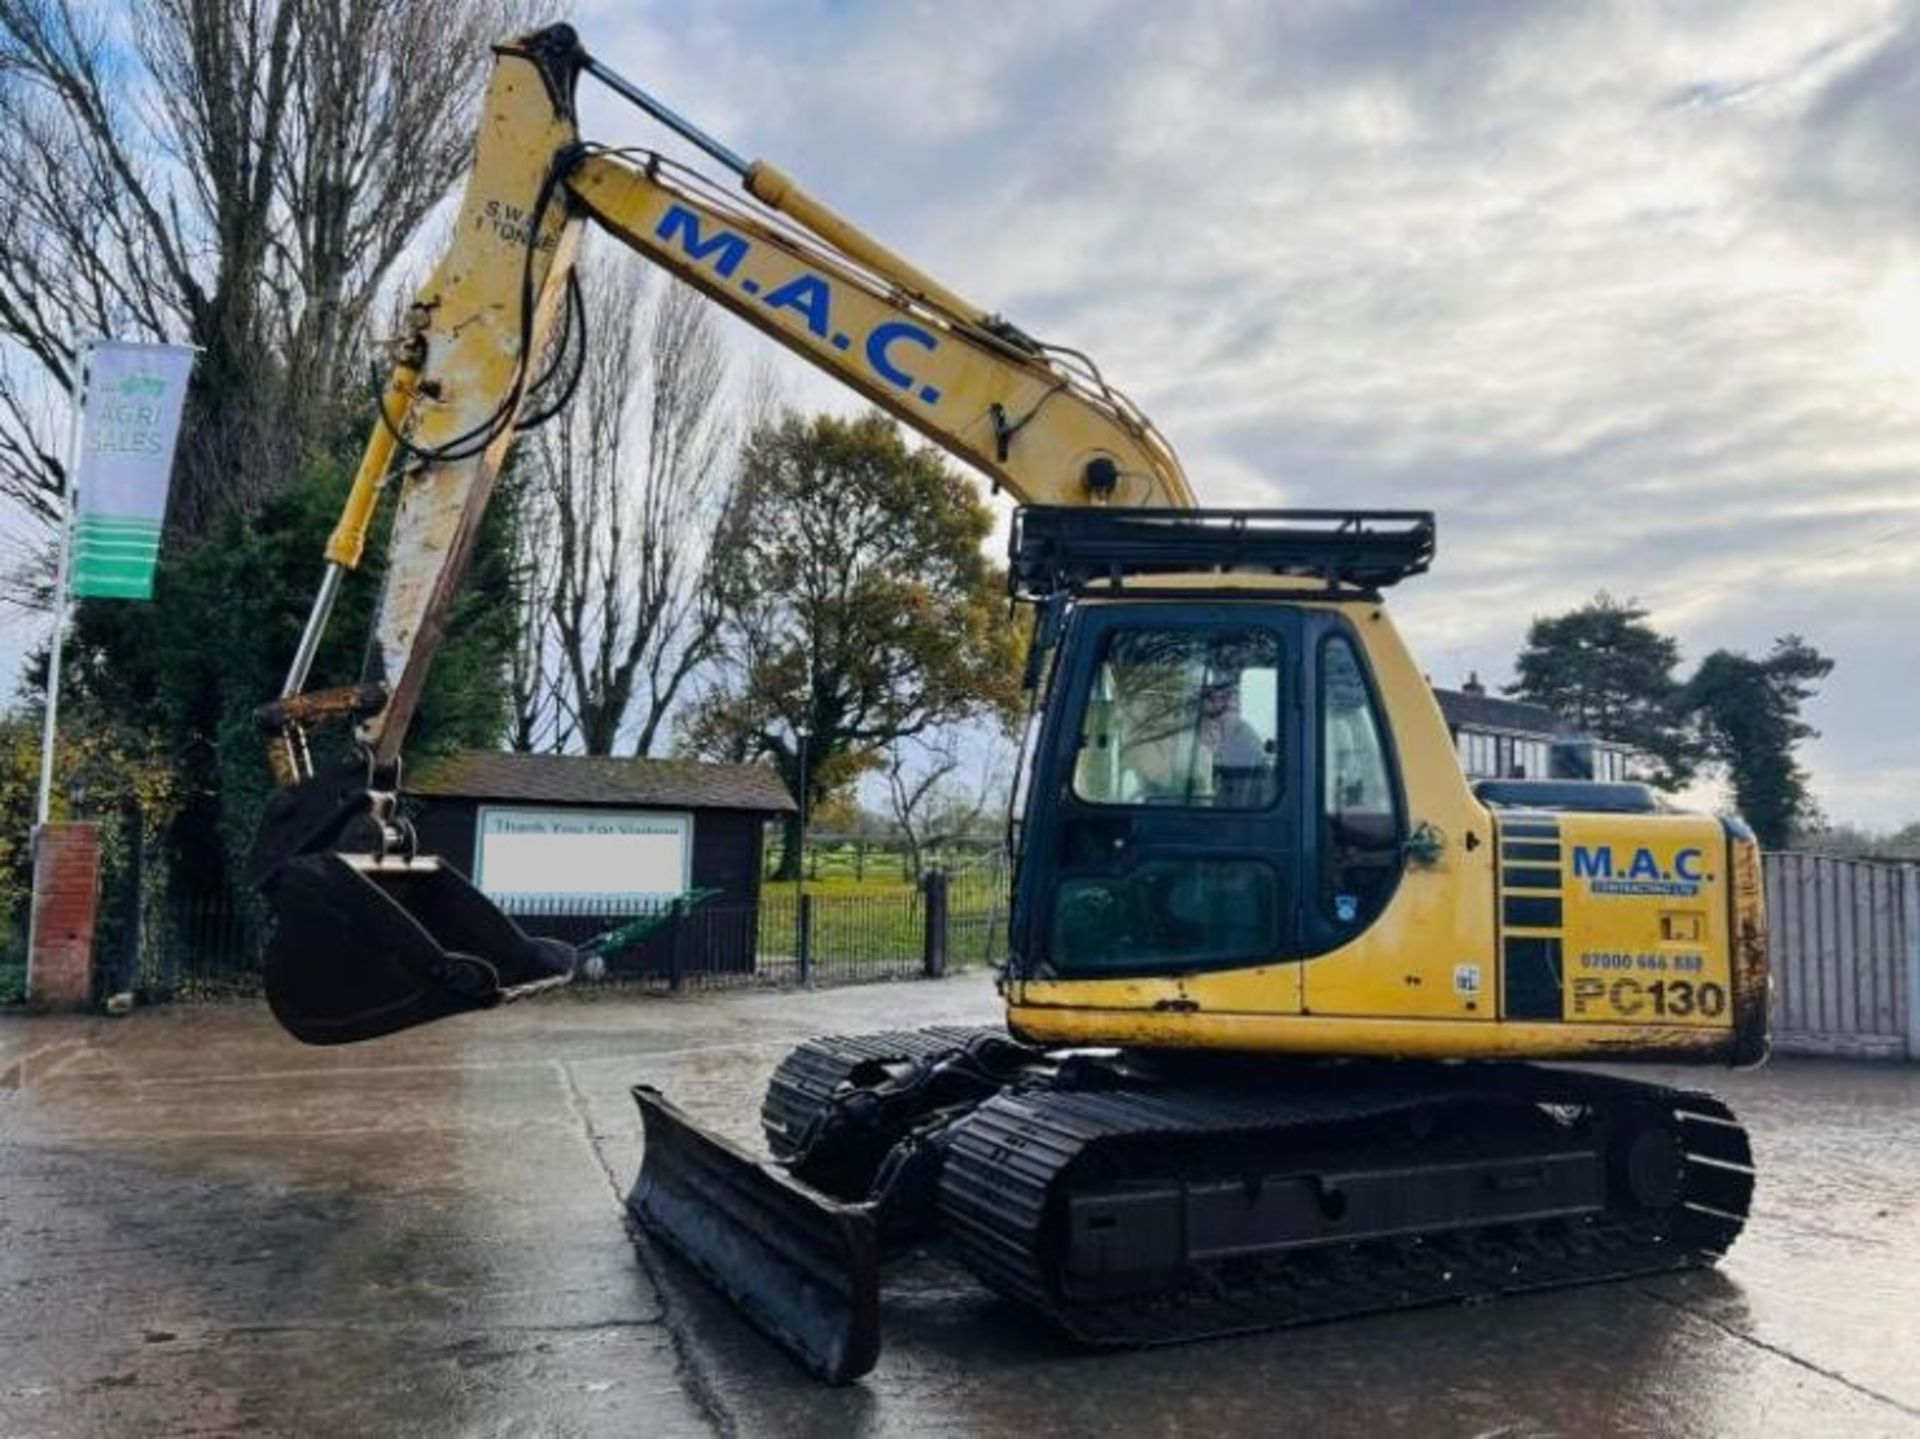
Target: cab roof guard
[1058, 549]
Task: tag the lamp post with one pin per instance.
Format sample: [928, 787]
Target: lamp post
[801, 736]
[803, 906]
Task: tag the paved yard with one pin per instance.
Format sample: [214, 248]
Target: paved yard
[206, 1228]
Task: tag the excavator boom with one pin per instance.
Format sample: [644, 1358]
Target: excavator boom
[377, 938]
[971, 384]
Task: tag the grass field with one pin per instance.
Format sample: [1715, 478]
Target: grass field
[834, 860]
[881, 918]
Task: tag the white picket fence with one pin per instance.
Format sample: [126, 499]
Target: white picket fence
[1844, 946]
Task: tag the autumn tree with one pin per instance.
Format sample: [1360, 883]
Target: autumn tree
[858, 609]
[1748, 714]
[111, 760]
[1609, 672]
[620, 497]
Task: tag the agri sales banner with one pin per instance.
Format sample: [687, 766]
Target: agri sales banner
[128, 427]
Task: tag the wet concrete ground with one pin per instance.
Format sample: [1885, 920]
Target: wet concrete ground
[206, 1228]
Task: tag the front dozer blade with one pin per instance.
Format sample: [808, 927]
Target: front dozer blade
[803, 1268]
[365, 946]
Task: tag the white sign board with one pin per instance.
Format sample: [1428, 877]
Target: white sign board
[581, 861]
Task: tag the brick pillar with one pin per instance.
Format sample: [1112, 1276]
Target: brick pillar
[66, 898]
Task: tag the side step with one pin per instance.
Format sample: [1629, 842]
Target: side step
[805, 1269]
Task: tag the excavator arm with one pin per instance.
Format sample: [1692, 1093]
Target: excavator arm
[369, 942]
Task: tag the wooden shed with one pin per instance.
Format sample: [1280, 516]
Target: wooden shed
[572, 845]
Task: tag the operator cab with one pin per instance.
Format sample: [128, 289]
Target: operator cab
[1209, 781]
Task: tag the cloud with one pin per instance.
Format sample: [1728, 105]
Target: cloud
[1630, 295]
[1856, 153]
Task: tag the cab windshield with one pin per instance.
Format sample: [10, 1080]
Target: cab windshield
[1183, 717]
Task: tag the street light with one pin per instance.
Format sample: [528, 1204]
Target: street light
[803, 907]
[800, 734]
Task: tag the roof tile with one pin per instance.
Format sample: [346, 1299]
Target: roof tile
[593, 779]
[1462, 707]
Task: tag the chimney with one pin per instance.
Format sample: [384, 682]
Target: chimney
[1473, 685]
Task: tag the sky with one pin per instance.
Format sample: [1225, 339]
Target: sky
[1628, 293]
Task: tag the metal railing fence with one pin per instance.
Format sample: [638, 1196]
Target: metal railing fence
[209, 947]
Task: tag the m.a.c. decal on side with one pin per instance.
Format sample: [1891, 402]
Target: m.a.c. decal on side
[808, 297]
[1642, 873]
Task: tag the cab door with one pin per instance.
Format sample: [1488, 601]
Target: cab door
[1398, 885]
[1163, 823]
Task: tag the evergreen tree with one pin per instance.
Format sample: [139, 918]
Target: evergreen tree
[1608, 671]
[190, 667]
[1748, 715]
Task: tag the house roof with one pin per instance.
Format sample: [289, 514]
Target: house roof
[1464, 709]
[1490, 712]
[585, 779]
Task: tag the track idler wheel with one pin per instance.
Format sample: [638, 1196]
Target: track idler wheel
[1648, 1166]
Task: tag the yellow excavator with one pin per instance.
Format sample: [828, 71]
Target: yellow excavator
[1276, 971]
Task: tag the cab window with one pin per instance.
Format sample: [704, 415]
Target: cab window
[1183, 717]
[1165, 915]
[1359, 810]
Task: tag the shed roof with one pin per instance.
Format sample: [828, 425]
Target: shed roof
[592, 779]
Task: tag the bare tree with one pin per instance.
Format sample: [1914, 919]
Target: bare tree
[929, 806]
[384, 91]
[238, 174]
[636, 474]
[537, 722]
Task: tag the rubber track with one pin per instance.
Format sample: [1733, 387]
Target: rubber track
[1012, 1155]
[808, 1078]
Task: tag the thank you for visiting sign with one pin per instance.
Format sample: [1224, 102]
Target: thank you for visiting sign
[581, 861]
[129, 425]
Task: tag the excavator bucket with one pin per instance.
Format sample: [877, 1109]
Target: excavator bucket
[803, 1268]
[365, 946]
